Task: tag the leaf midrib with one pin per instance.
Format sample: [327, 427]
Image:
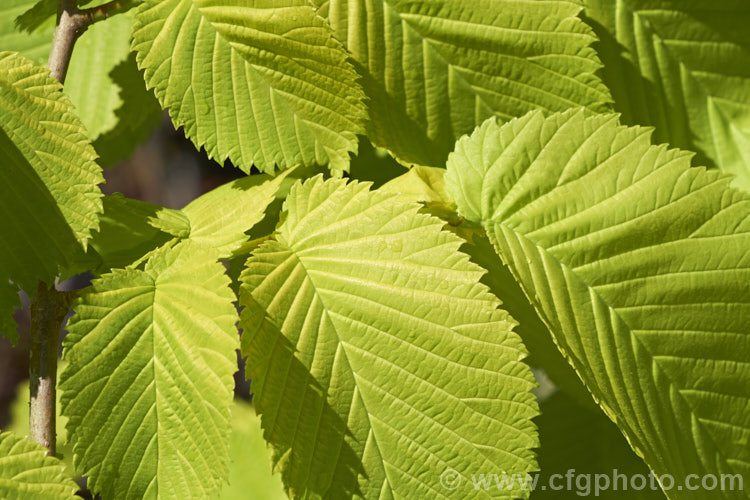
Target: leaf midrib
[82, 234]
[293, 253]
[344, 345]
[427, 40]
[255, 68]
[615, 312]
[691, 74]
[663, 41]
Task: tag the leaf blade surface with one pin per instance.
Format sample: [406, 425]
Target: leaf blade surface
[368, 330]
[148, 388]
[638, 264]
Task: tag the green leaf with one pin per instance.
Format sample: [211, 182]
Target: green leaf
[543, 353]
[88, 83]
[35, 14]
[639, 266]
[250, 476]
[36, 43]
[378, 360]
[260, 82]
[137, 114]
[148, 389]
[49, 198]
[221, 218]
[427, 185]
[171, 221]
[27, 472]
[51, 148]
[264, 229]
[590, 444]
[682, 66]
[423, 184]
[38, 12]
[103, 80]
[435, 70]
[125, 234]
[108, 90]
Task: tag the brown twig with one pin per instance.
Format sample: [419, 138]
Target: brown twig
[48, 306]
[71, 23]
[48, 310]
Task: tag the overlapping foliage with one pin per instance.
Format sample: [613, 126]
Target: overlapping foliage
[381, 326]
[49, 198]
[641, 276]
[682, 67]
[383, 344]
[273, 80]
[103, 83]
[27, 472]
